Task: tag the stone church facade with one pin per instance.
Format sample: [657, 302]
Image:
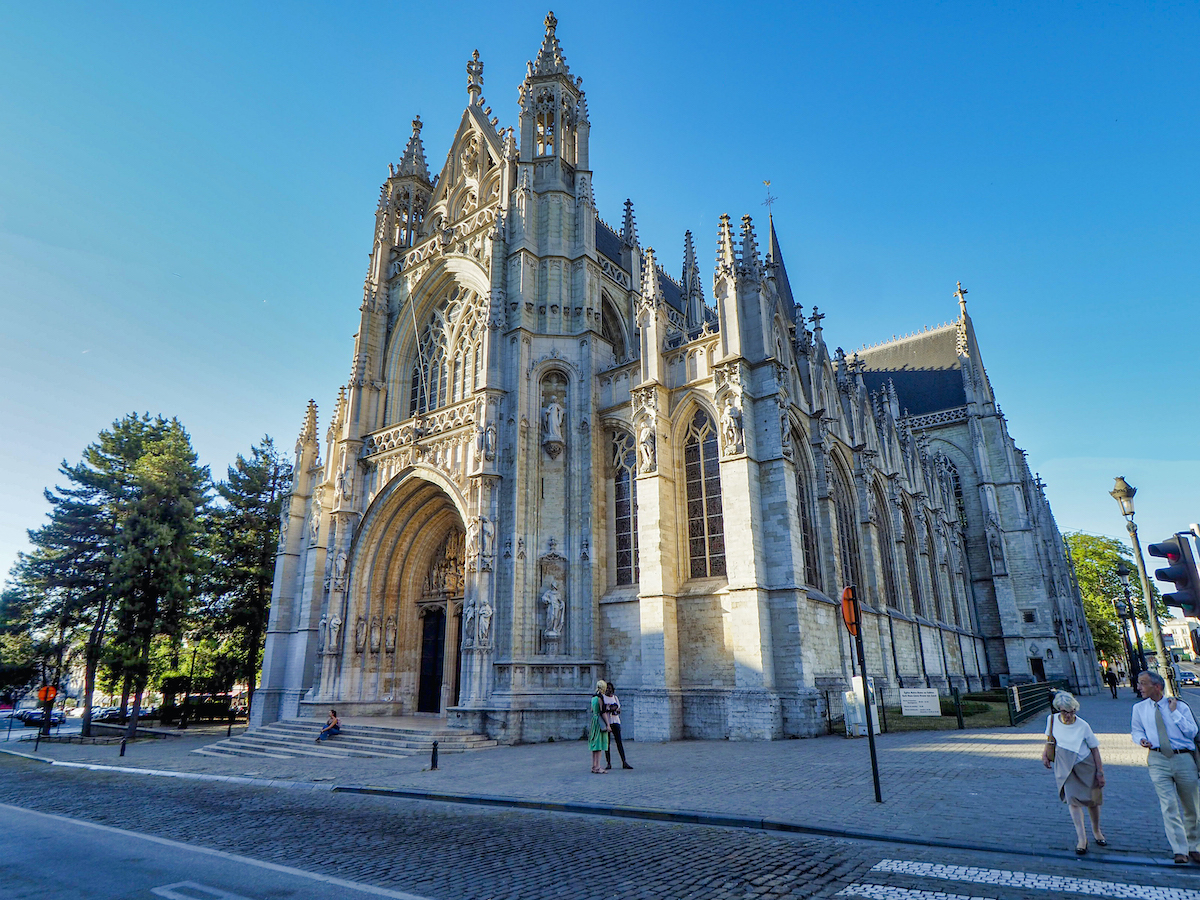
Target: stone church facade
[554, 462]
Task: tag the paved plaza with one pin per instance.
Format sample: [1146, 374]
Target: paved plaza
[972, 788]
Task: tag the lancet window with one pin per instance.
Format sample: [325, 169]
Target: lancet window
[449, 362]
[625, 507]
[847, 528]
[702, 471]
[808, 530]
[934, 581]
[887, 548]
[910, 558]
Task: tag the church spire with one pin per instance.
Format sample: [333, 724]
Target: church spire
[776, 266]
[550, 59]
[751, 267]
[412, 164]
[693, 288]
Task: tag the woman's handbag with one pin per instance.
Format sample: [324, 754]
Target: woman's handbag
[1051, 744]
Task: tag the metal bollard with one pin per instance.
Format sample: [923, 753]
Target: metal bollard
[958, 709]
[433, 758]
[123, 746]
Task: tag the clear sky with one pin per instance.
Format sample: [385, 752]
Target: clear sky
[187, 196]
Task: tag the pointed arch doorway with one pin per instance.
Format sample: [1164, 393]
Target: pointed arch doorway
[439, 608]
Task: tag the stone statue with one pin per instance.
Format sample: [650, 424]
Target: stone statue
[314, 525]
[473, 538]
[647, 454]
[376, 633]
[555, 611]
[483, 622]
[552, 431]
[468, 619]
[339, 570]
[489, 442]
[389, 635]
[360, 634]
[487, 537]
[996, 550]
[335, 632]
[731, 427]
[283, 528]
[321, 628]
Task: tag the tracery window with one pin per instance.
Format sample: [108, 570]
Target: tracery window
[910, 558]
[449, 361]
[847, 528]
[545, 132]
[625, 507]
[887, 548]
[702, 471]
[808, 530]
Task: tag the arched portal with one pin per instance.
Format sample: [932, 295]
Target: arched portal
[403, 643]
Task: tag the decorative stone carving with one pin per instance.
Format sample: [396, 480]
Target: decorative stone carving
[520, 548]
[284, 523]
[996, 548]
[732, 436]
[389, 634]
[487, 541]
[555, 612]
[314, 519]
[339, 571]
[445, 575]
[376, 633]
[647, 450]
[335, 634]
[322, 626]
[483, 623]
[360, 635]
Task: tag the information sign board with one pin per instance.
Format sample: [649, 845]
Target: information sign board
[919, 702]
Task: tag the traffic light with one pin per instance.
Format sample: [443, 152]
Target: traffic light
[1180, 571]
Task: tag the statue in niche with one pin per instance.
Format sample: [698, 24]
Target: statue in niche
[487, 538]
[996, 548]
[483, 622]
[647, 451]
[339, 570]
[335, 632]
[389, 635]
[552, 427]
[489, 442]
[468, 620]
[376, 633]
[555, 611]
[314, 524]
[283, 528]
[360, 635]
[731, 427]
[321, 628]
[473, 538]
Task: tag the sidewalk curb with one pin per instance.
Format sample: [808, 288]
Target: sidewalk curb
[722, 820]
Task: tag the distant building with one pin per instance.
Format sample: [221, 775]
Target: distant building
[1182, 636]
[553, 462]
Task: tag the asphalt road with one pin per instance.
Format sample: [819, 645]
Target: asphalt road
[133, 836]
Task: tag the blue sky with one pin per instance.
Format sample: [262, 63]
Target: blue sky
[187, 193]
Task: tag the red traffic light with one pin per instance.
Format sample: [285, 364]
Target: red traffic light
[1180, 571]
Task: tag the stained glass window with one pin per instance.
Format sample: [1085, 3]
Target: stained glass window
[702, 471]
[448, 364]
[625, 507]
[847, 525]
[808, 531]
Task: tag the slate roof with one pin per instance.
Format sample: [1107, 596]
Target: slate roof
[671, 292]
[924, 368]
[608, 242]
[775, 255]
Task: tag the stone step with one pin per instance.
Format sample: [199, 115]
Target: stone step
[352, 738]
[334, 748]
[408, 739]
[437, 734]
[217, 750]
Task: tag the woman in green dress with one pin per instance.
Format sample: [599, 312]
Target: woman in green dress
[597, 733]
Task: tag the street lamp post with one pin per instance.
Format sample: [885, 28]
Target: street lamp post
[1123, 493]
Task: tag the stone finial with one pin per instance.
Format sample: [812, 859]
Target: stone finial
[308, 434]
[751, 264]
[650, 290]
[629, 226]
[474, 76]
[961, 294]
[726, 256]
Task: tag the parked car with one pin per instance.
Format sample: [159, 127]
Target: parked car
[1186, 676]
[34, 717]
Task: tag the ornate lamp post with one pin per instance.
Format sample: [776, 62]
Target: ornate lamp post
[1125, 611]
[1123, 493]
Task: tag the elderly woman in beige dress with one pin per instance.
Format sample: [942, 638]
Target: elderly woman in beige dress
[1078, 771]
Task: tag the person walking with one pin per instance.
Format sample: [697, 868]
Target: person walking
[1166, 727]
[612, 714]
[597, 733]
[332, 727]
[1073, 752]
[1110, 678]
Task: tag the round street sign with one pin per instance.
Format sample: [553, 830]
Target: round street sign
[47, 694]
[849, 615]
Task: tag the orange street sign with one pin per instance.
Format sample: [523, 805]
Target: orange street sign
[47, 694]
[849, 615]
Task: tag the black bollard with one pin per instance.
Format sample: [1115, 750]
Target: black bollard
[433, 758]
[122, 746]
[958, 709]
[229, 730]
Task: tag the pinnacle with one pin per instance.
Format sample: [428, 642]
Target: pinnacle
[413, 162]
[629, 226]
[550, 59]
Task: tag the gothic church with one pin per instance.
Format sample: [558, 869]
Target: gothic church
[555, 462]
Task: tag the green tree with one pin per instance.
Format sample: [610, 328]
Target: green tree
[1096, 560]
[244, 536]
[156, 569]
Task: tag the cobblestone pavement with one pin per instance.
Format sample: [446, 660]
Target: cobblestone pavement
[983, 788]
[453, 852]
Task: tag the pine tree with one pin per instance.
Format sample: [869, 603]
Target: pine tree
[244, 537]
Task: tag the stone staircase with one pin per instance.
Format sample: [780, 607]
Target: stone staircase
[295, 738]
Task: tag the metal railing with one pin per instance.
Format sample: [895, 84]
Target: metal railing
[1027, 700]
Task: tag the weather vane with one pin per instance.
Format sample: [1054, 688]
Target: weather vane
[770, 199]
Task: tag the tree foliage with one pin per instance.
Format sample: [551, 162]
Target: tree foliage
[1096, 560]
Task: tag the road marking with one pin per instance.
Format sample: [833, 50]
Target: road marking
[221, 854]
[196, 892]
[1030, 880]
[888, 892]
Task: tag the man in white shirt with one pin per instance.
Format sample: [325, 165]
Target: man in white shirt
[1166, 728]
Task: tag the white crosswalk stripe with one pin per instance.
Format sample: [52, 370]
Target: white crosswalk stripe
[889, 892]
[1030, 880]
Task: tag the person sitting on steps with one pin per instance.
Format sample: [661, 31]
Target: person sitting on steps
[332, 727]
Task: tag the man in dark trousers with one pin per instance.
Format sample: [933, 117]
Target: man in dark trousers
[1110, 678]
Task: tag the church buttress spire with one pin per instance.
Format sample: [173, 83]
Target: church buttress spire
[629, 226]
[550, 59]
[412, 164]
